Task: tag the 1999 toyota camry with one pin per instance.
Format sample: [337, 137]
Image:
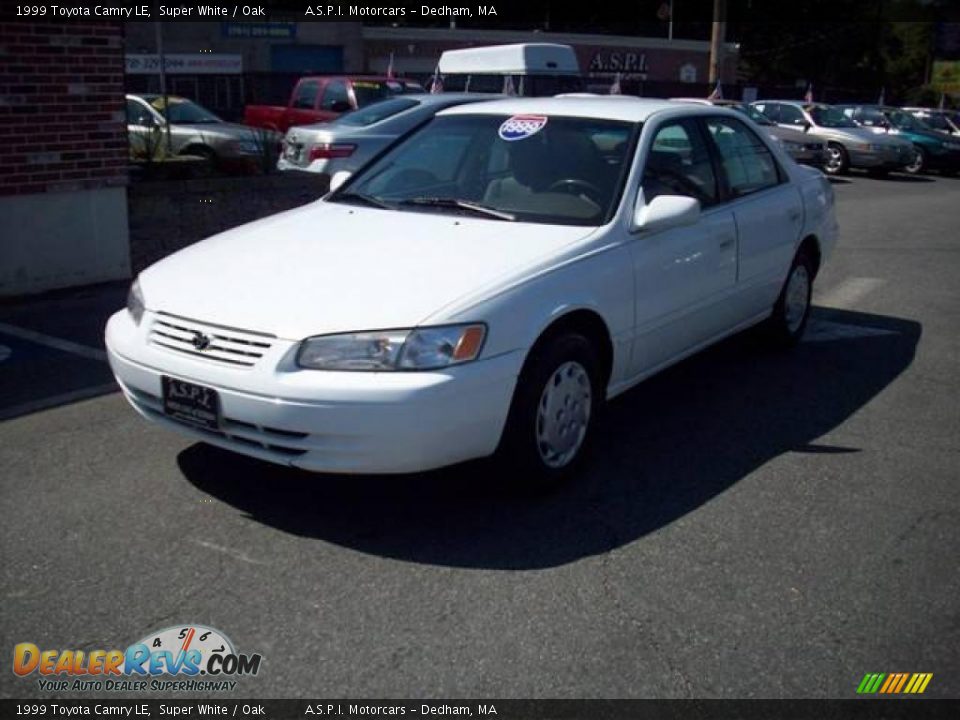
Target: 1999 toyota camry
[480, 288]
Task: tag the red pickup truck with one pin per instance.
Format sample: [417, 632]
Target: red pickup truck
[319, 99]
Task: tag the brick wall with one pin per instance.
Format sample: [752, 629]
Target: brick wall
[62, 121]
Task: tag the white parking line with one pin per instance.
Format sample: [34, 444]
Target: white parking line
[227, 551]
[53, 342]
[848, 293]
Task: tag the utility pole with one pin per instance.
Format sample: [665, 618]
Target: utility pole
[716, 39]
[163, 85]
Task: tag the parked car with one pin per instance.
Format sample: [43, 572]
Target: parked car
[320, 99]
[848, 144]
[484, 286]
[945, 121]
[799, 145]
[194, 130]
[934, 150]
[353, 138]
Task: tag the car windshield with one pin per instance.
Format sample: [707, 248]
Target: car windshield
[375, 113]
[368, 92]
[937, 122]
[906, 121]
[530, 168]
[751, 112]
[181, 110]
[829, 117]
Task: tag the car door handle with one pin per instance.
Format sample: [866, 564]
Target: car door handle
[793, 214]
[726, 242]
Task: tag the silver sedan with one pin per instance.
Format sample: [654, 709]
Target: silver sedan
[195, 131]
[352, 139]
[848, 144]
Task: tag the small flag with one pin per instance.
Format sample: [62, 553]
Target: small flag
[882, 100]
[615, 86]
[390, 67]
[436, 85]
[508, 88]
[717, 93]
[808, 96]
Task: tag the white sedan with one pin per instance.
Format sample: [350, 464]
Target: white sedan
[482, 287]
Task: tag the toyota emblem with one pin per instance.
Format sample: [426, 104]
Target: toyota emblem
[200, 341]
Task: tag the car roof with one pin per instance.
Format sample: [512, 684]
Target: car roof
[442, 98]
[515, 59]
[605, 107]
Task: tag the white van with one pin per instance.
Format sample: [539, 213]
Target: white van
[535, 69]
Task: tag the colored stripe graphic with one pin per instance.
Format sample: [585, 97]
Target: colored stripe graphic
[894, 683]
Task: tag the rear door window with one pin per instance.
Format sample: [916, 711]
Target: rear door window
[305, 96]
[748, 165]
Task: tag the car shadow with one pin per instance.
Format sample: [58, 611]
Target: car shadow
[661, 451]
[903, 178]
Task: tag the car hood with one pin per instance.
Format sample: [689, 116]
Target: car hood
[329, 267]
[859, 135]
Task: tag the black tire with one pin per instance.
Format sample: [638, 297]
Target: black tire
[522, 455]
[210, 160]
[784, 327]
[838, 161]
[919, 163]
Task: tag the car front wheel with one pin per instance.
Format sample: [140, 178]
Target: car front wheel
[919, 163]
[554, 408]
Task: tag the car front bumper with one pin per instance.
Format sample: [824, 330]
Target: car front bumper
[341, 422]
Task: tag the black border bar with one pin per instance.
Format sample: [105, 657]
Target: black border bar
[854, 709]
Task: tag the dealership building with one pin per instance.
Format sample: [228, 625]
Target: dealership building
[227, 65]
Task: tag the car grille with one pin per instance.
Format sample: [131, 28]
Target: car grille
[241, 434]
[227, 346]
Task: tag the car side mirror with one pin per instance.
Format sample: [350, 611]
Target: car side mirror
[806, 126]
[664, 212]
[338, 179]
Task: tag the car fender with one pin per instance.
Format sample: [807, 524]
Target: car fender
[599, 280]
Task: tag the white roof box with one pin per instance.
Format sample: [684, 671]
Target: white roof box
[519, 59]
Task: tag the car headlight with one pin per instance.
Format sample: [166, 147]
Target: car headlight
[426, 348]
[135, 304]
[792, 146]
[952, 146]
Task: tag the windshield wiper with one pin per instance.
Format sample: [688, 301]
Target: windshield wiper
[369, 200]
[473, 207]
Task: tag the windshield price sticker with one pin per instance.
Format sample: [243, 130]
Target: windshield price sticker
[520, 127]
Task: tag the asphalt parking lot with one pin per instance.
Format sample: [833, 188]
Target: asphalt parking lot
[753, 525]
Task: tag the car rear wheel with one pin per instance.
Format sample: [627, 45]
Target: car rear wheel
[554, 407]
[792, 309]
[919, 163]
[838, 162]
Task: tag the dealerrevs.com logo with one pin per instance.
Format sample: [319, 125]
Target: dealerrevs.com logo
[197, 658]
